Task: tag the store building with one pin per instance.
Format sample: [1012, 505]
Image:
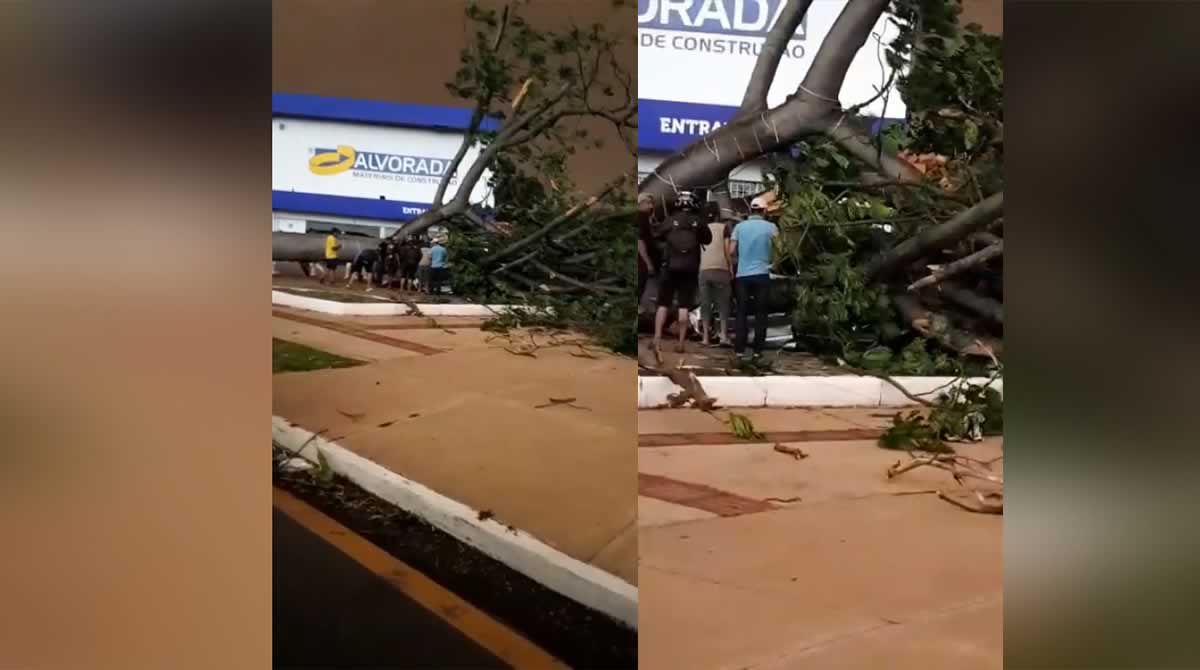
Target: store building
[371, 77]
[363, 166]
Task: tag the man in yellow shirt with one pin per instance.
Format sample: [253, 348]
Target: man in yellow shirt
[331, 253]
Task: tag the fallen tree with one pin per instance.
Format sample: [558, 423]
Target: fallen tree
[865, 216]
[563, 253]
[535, 238]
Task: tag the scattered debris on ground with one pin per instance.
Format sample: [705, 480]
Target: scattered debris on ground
[962, 468]
[794, 452]
[567, 402]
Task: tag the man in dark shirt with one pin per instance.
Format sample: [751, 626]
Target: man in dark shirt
[683, 232]
[410, 259]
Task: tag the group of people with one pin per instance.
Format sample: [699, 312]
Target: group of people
[727, 263]
[412, 264]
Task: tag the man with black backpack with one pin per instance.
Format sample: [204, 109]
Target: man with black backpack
[683, 233]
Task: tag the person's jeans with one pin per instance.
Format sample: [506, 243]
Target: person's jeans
[753, 292]
[438, 278]
[715, 287]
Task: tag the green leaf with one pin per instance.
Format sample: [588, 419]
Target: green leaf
[877, 358]
[743, 428]
[324, 471]
[970, 134]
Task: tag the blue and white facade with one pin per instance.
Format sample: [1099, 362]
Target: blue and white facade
[363, 166]
[695, 57]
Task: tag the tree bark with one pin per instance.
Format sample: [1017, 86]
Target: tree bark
[310, 247]
[765, 67]
[937, 237]
[848, 34]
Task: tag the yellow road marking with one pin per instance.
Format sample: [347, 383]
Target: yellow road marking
[502, 641]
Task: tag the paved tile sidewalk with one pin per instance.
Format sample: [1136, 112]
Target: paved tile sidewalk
[848, 576]
[466, 424]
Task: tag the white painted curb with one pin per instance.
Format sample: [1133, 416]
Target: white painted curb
[794, 391]
[579, 581]
[384, 308]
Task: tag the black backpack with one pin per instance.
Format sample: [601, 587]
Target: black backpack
[683, 243]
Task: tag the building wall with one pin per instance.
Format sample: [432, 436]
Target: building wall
[406, 50]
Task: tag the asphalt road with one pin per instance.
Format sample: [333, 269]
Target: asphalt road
[331, 612]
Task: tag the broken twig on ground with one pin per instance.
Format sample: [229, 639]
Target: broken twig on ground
[794, 452]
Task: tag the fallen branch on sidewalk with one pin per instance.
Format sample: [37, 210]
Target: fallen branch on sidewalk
[962, 468]
[794, 452]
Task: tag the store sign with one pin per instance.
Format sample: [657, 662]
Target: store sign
[664, 125]
[365, 171]
[374, 165]
[750, 18]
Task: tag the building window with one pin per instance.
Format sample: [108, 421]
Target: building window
[354, 229]
[744, 189]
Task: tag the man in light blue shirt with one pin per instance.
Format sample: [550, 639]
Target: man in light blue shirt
[437, 266]
[751, 243]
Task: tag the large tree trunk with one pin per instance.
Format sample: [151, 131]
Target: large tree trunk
[310, 247]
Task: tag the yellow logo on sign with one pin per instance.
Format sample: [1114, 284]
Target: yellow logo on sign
[333, 162]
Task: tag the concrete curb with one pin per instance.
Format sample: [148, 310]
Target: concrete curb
[383, 308]
[579, 581]
[793, 391]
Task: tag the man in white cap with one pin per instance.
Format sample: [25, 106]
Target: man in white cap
[751, 243]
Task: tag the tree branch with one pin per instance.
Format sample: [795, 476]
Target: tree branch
[482, 104]
[776, 42]
[849, 135]
[937, 237]
[965, 263]
[553, 225]
[571, 281]
[849, 33]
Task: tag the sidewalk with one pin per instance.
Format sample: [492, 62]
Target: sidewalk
[752, 559]
[463, 419]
